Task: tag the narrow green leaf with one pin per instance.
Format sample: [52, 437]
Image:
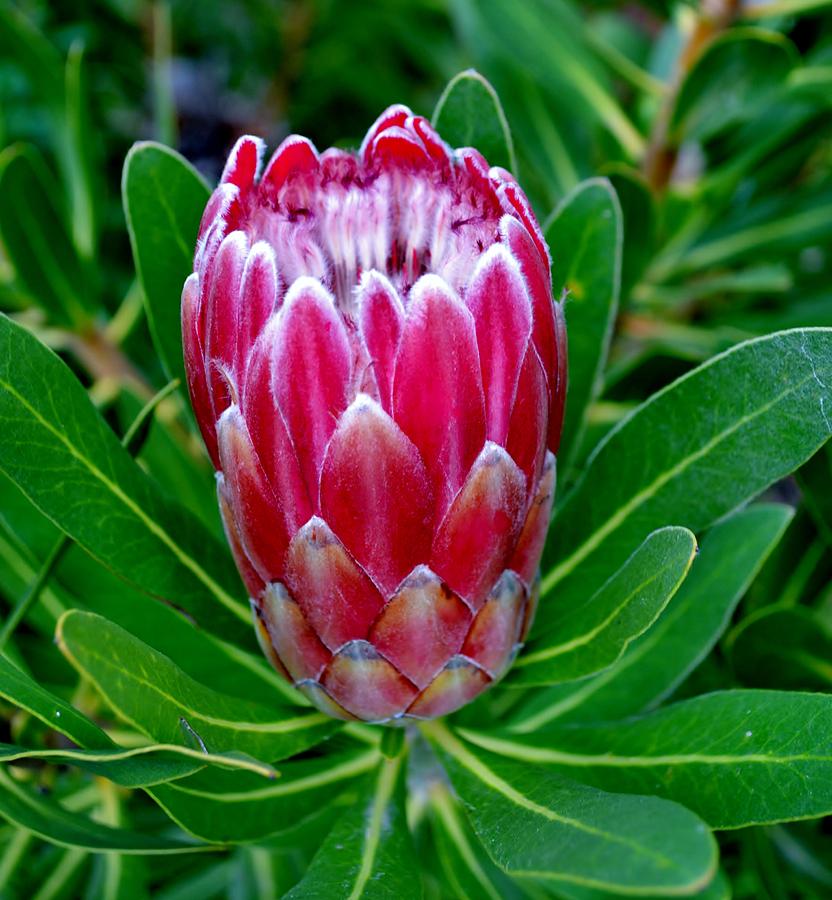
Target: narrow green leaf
[14, 852]
[99, 496]
[77, 155]
[57, 825]
[758, 9]
[216, 664]
[114, 875]
[692, 453]
[61, 91]
[736, 758]
[585, 235]
[539, 825]
[735, 76]
[774, 229]
[201, 883]
[140, 766]
[638, 216]
[585, 639]
[163, 197]
[368, 854]
[652, 667]
[815, 480]
[550, 40]
[807, 849]
[169, 456]
[154, 695]
[783, 647]
[36, 239]
[465, 865]
[811, 82]
[469, 114]
[20, 689]
[230, 807]
[26, 536]
[64, 877]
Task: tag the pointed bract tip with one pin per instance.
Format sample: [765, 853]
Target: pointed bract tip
[244, 162]
[307, 286]
[296, 155]
[397, 114]
[498, 255]
[431, 284]
[316, 533]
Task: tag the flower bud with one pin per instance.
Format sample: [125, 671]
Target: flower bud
[378, 370]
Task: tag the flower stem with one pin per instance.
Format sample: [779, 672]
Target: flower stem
[660, 156]
[28, 599]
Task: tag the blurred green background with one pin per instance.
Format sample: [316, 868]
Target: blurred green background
[712, 121]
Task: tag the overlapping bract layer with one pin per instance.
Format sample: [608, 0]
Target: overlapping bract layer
[379, 371]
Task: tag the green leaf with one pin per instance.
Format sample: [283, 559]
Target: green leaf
[653, 666]
[57, 825]
[26, 537]
[214, 663]
[154, 695]
[737, 74]
[36, 239]
[585, 236]
[690, 454]
[782, 647]
[368, 854]
[469, 114]
[176, 462]
[208, 660]
[98, 495]
[539, 825]
[20, 689]
[139, 766]
[465, 865]
[581, 640]
[236, 806]
[164, 198]
[736, 758]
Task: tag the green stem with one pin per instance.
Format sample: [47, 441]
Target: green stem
[626, 68]
[14, 852]
[24, 604]
[392, 742]
[130, 441]
[165, 112]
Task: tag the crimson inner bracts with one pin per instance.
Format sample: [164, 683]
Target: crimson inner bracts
[379, 370]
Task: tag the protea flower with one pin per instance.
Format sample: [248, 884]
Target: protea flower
[378, 370]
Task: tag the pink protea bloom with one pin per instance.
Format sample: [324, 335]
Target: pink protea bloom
[378, 370]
